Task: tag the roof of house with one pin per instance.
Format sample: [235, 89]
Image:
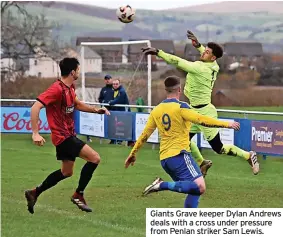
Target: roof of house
[243, 49]
[165, 45]
[180, 50]
[88, 52]
[101, 39]
[191, 51]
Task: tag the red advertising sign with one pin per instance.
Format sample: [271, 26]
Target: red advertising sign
[17, 120]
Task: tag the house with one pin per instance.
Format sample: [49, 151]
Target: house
[191, 53]
[42, 67]
[110, 54]
[250, 54]
[38, 66]
[252, 96]
[31, 63]
[92, 61]
[8, 66]
[180, 50]
[166, 45]
[273, 48]
[134, 50]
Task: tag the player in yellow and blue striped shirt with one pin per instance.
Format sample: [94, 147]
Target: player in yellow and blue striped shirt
[173, 119]
[200, 79]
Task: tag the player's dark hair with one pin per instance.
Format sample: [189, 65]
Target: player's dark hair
[216, 49]
[67, 65]
[172, 83]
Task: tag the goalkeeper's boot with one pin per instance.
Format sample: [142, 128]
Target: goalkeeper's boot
[154, 187]
[205, 165]
[78, 199]
[31, 199]
[254, 162]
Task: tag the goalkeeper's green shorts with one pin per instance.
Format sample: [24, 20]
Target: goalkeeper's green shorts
[209, 133]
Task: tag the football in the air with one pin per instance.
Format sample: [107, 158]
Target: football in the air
[125, 14]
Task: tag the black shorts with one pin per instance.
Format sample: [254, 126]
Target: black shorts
[69, 149]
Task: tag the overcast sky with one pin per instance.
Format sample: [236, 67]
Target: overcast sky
[146, 4]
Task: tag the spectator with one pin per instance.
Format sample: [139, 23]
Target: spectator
[140, 101]
[120, 96]
[106, 94]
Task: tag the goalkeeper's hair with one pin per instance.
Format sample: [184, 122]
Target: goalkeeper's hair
[172, 84]
[216, 49]
[67, 65]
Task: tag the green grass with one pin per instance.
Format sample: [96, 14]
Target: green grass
[115, 193]
[253, 116]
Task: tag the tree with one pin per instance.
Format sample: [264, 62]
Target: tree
[24, 34]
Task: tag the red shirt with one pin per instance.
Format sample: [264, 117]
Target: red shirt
[59, 101]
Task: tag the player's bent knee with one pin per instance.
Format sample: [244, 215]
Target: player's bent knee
[216, 144]
[202, 189]
[67, 168]
[201, 185]
[217, 147]
[90, 155]
[94, 158]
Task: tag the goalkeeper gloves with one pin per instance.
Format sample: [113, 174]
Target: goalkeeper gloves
[152, 51]
[194, 39]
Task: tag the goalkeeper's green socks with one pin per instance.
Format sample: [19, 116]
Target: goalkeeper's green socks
[232, 150]
[229, 150]
[196, 153]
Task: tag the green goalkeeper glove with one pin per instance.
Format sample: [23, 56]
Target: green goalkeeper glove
[194, 39]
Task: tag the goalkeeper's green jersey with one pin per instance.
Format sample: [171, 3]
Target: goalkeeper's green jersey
[200, 78]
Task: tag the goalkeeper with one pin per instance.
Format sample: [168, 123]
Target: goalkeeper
[200, 79]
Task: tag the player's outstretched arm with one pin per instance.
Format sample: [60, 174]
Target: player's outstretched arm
[194, 117]
[148, 130]
[34, 117]
[81, 106]
[183, 64]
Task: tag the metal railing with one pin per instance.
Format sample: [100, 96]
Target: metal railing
[151, 107]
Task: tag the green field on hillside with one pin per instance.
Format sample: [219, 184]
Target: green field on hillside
[168, 25]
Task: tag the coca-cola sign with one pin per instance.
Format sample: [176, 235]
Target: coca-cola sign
[17, 120]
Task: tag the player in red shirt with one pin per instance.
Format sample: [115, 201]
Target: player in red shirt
[60, 101]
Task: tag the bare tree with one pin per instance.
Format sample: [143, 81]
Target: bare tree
[24, 34]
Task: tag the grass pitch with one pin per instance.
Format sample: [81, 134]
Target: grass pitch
[115, 193]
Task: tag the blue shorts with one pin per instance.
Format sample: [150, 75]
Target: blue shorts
[181, 167]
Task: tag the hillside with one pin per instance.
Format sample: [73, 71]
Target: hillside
[222, 25]
[235, 6]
